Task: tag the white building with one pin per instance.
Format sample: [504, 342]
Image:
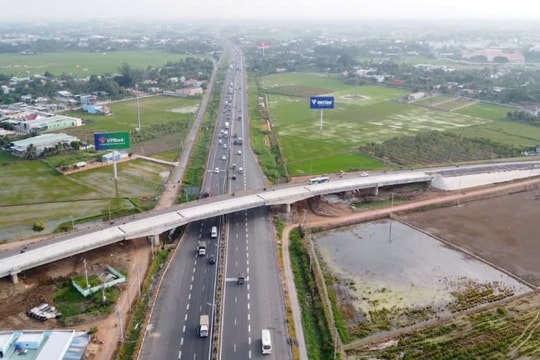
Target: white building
[41, 142]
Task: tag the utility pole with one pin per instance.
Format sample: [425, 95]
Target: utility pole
[86, 274]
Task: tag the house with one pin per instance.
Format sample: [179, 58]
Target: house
[192, 91]
[65, 94]
[96, 109]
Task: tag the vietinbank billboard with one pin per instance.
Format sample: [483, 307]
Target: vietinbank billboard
[321, 102]
[111, 140]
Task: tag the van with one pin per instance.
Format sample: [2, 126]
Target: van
[213, 233]
[266, 342]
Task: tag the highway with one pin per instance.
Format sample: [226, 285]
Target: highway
[189, 284]
[258, 303]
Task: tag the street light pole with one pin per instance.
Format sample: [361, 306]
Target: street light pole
[72, 222]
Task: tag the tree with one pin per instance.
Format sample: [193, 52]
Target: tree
[31, 152]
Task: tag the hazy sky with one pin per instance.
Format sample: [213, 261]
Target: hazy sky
[269, 9]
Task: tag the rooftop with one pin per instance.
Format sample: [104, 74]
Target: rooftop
[43, 345]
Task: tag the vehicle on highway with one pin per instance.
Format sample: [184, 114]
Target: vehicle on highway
[213, 232]
[239, 152]
[223, 157]
[204, 326]
[220, 141]
[266, 341]
[224, 146]
[240, 170]
[216, 171]
[241, 278]
[201, 248]
[233, 166]
[364, 174]
[233, 177]
[212, 260]
[318, 180]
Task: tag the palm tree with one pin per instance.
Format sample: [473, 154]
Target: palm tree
[31, 152]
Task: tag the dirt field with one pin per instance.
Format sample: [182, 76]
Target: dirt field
[501, 230]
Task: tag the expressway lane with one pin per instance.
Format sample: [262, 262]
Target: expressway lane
[258, 303]
[189, 283]
[185, 291]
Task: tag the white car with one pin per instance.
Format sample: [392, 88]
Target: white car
[223, 157]
[239, 152]
[364, 174]
[224, 146]
[216, 171]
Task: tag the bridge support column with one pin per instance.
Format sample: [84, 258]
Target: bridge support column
[154, 240]
[14, 278]
[287, 208]
[376, 191]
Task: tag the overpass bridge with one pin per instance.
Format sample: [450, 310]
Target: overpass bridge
[152, 224]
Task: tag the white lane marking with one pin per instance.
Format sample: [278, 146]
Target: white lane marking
[181, 341]
[249, 317]
[248, 296]
[235, 323]
[189, 296]
[192, 278]
[194, 269]
[187, 306]
[249, 354]
[184, 329]
[249, 329]
[190, 287]
[185, 318]
[248, 306]
[235, 299]
[180, 354]
[249, 340]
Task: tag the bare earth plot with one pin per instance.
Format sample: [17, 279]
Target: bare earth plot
[503, 231]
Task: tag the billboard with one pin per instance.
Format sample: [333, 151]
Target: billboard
[111, 140]
[321, 102]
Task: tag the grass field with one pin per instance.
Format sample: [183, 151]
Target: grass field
[32, 191]
[153, 110]
[353, 122]
[82, 63]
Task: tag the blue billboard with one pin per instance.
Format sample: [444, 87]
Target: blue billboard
[321, 102]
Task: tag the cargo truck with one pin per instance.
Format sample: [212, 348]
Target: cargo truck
[204, 326]
[201, 249]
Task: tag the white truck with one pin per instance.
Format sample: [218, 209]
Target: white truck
[204, 326]
[201, 249]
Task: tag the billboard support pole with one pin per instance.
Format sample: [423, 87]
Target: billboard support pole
[115, 179]
[321, 122]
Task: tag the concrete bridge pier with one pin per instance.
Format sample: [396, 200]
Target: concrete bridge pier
[376, 191]
[154, 240]
[287, 208]
[14, 277]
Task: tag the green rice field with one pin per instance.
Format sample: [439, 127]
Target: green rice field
[82, 63]
[371, 114]
[31, 191]
[153, 110]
